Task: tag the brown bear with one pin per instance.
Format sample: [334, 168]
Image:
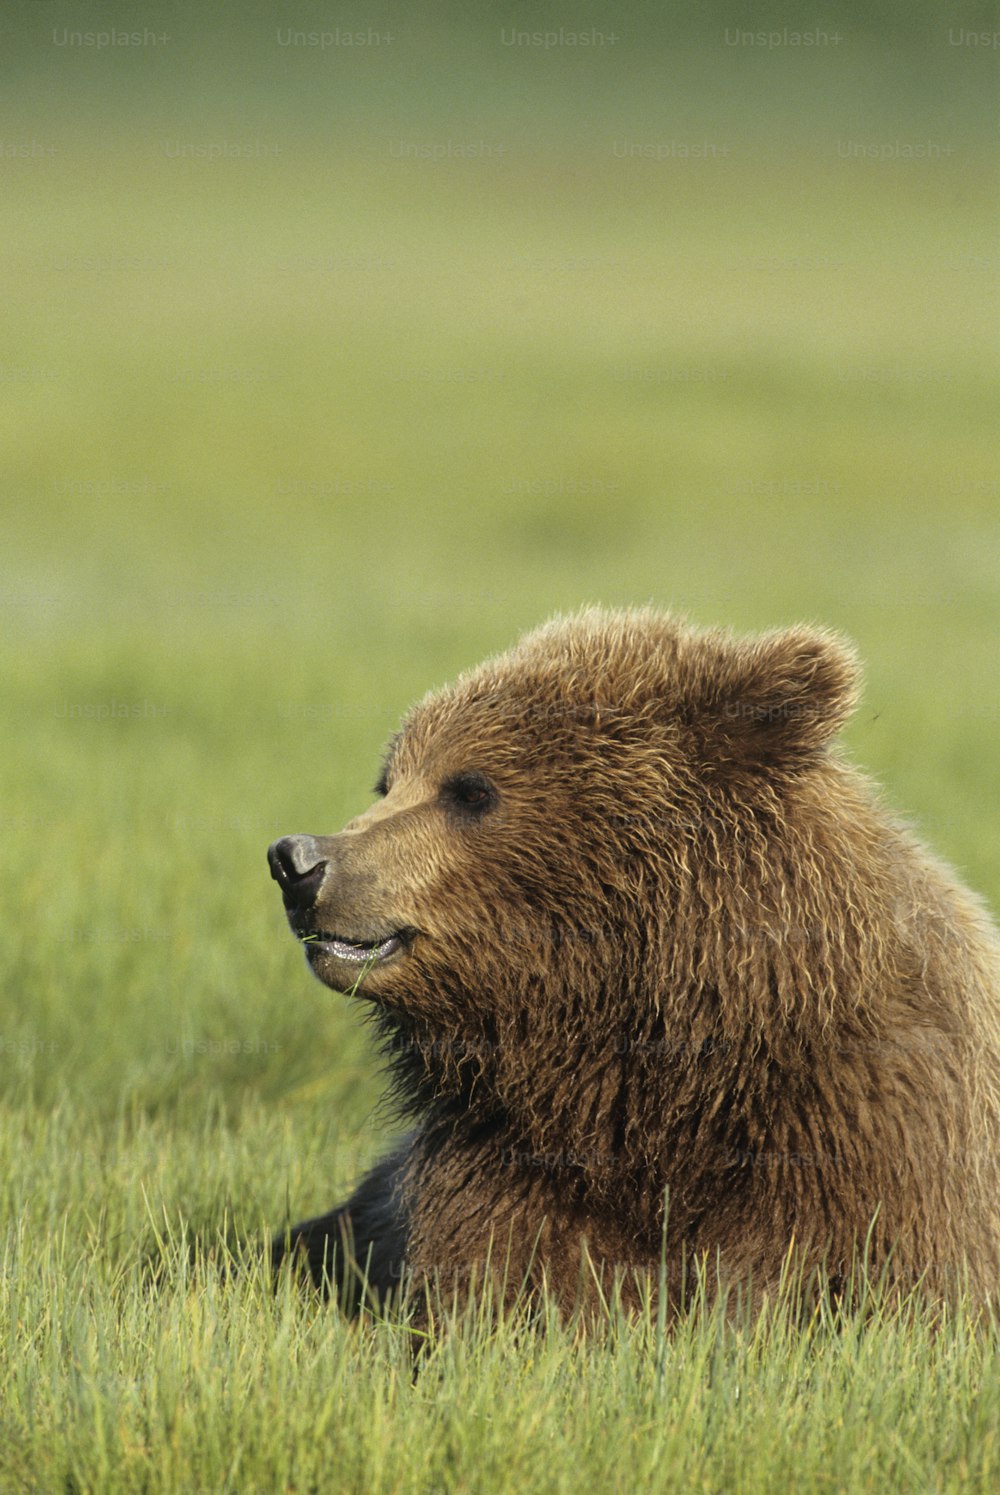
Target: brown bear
[658, 981]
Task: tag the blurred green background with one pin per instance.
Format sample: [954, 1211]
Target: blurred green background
[332, 364]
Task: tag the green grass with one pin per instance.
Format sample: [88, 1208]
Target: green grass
[136, 1364]
[352, 423]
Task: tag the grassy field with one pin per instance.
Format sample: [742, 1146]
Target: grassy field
[291, 436]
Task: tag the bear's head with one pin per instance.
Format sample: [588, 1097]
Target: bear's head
[615, 839]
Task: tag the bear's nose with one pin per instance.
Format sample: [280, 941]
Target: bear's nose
[297, 866]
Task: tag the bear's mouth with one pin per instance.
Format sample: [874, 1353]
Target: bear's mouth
[359, 952]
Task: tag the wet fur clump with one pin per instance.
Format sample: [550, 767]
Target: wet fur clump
[669, 982]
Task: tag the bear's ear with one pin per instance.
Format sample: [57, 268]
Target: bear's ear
[773, 702]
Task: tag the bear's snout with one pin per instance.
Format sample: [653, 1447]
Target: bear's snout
[298, 865]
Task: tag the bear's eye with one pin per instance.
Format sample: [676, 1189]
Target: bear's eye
[470, 792]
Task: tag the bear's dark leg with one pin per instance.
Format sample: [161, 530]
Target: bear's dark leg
[356, 1251]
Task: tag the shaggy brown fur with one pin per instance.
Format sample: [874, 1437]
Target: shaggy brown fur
[655, 941]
